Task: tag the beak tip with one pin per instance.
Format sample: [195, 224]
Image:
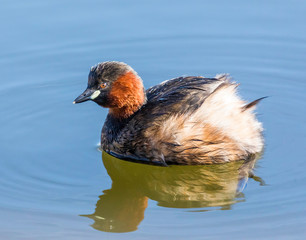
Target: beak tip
[73, 102]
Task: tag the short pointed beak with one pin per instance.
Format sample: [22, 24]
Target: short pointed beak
[85, 96]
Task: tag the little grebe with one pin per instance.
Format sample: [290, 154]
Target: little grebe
[186, 120]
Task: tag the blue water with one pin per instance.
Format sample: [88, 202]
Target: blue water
[52, 177]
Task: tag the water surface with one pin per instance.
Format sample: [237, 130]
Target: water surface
[54, 183]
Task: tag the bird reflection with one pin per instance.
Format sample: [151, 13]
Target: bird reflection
[121, 208]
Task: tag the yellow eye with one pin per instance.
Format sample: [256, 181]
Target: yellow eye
[103, 85]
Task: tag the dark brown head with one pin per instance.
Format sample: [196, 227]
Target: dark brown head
[114, 85]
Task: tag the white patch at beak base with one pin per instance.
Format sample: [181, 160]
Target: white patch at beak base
[95, 94]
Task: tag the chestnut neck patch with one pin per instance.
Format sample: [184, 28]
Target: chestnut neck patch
[126, 95]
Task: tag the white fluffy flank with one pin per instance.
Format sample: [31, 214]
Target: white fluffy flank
[223, 109]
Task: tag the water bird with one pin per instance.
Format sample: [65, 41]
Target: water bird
[186, 120]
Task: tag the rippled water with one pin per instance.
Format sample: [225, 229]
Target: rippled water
[54, 183]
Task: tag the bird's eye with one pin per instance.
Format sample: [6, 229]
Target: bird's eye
[103, 85]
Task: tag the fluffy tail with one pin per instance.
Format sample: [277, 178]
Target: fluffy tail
[252, 104]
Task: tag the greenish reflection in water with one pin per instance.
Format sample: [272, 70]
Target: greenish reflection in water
[121, 208]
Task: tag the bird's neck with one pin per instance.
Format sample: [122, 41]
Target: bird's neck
[126, 96]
